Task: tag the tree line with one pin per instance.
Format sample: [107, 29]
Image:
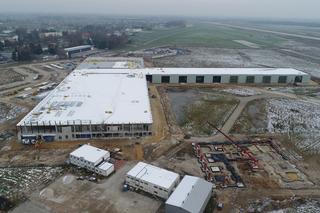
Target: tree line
[29, 44]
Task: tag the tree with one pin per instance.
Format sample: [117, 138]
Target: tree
[22, 34]
[100, 40]
[24, 53]
[1, 45]
[15, 55]
[116, 41]
[36, 49]
[52, 49]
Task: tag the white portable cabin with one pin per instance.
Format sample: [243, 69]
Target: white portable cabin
[104, 169]
[152, 179]
[88, 156]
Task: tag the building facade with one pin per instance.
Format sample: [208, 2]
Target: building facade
[226, 76]
[88, 157]
[92, 159]
[91, 104]
[191, 196]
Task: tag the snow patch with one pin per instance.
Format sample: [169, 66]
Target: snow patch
[242, 92]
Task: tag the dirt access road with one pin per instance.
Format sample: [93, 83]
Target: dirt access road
[243, 101]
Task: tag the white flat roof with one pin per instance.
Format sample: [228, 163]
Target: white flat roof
[96, 96]
[190, 194]
[154, 175]
[89, 153]
[222, 71]
[105, 166]
[111, 63]
[77, 47]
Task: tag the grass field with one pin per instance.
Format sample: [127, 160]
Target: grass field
[201, 35]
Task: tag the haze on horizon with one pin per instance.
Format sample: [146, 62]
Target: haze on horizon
[272, 9]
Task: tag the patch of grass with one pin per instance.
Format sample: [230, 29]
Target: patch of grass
[253, 119]
[216, 111]
[202, 35]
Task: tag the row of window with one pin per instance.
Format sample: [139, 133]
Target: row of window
[81, 160]
[115, 128]
[105, 135]
[146, 183]
[87, 128]
[233, 79]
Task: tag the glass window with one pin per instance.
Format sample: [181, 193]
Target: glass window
[165, 79]
[216, 79]
[298, 79]
[183, 79]
[149, 78]
[266, 79]
[233, 79]
[250, 79]
[282, 79]
[199, 79]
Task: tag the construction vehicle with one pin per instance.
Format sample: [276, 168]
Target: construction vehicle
[253, 161]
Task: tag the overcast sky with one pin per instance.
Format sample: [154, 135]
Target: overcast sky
[297, 9]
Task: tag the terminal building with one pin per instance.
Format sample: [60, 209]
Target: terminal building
[108, 97]
[152, 179]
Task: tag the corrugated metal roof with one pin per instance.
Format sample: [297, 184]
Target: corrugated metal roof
[190, 194]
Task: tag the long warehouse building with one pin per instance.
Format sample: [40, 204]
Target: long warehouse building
[226, 75]
[109, 99]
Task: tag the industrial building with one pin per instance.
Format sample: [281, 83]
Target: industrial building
[91, 104]
[191, 196]
[152, 179]
[108, 97]
[226, 75]
[78, 49]
[93, 159]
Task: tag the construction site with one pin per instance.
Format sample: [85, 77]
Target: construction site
[196, 129]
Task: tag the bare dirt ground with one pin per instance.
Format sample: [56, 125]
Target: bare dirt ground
[70, 195]
[277, 174]
[9, 75]
[167, 147]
